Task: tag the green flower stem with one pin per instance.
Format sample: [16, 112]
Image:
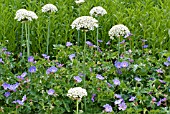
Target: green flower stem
[77, 111]
[84, 72]
[48, 33]
[27, 38]
[118, 47]
[78, 40]
[22, 33]
[97, 37]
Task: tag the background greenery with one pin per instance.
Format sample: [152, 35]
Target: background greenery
[146, 19]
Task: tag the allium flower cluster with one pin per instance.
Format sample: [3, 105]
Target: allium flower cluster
[49, 8]
[25, 15]
[118, 30]
[98, 11]
[76, 93]
[84, 23]
[79, 1]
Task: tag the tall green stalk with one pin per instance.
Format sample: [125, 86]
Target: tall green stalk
[27, 38]
[97, 37]
[118, 47]
[78, 39]
[48, 33]
[84, 72]
[22, 33]
[77, 103]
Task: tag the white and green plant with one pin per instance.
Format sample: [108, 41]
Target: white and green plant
[85, 24]
[77, 93]
[24, 16]
[49, 8]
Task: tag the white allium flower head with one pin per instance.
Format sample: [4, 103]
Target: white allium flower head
[118, 30]
[84, 23]
[49, 8]
[76, 93]
[31, 15]
[25, 15]
[98, 11]
[79, 1]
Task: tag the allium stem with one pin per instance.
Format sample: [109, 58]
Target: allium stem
[48, 33]
[77, 111]
[78, 40]
[27, 38]
[97, 36]
[118, 47]
[84, 72]
[22, 33]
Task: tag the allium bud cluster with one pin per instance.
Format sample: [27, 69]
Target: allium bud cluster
[98, 11]
[84, 23]
[79, 1]
[76, 93]
[25, 15]
[49, 8]
[118, 30]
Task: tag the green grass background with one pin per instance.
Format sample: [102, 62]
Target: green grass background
[146, 19]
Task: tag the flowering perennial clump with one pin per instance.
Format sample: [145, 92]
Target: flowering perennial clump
[84, 23]
[119, 30]
[25, 15]
[98, 11]
[49, 8]
[76, 93]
